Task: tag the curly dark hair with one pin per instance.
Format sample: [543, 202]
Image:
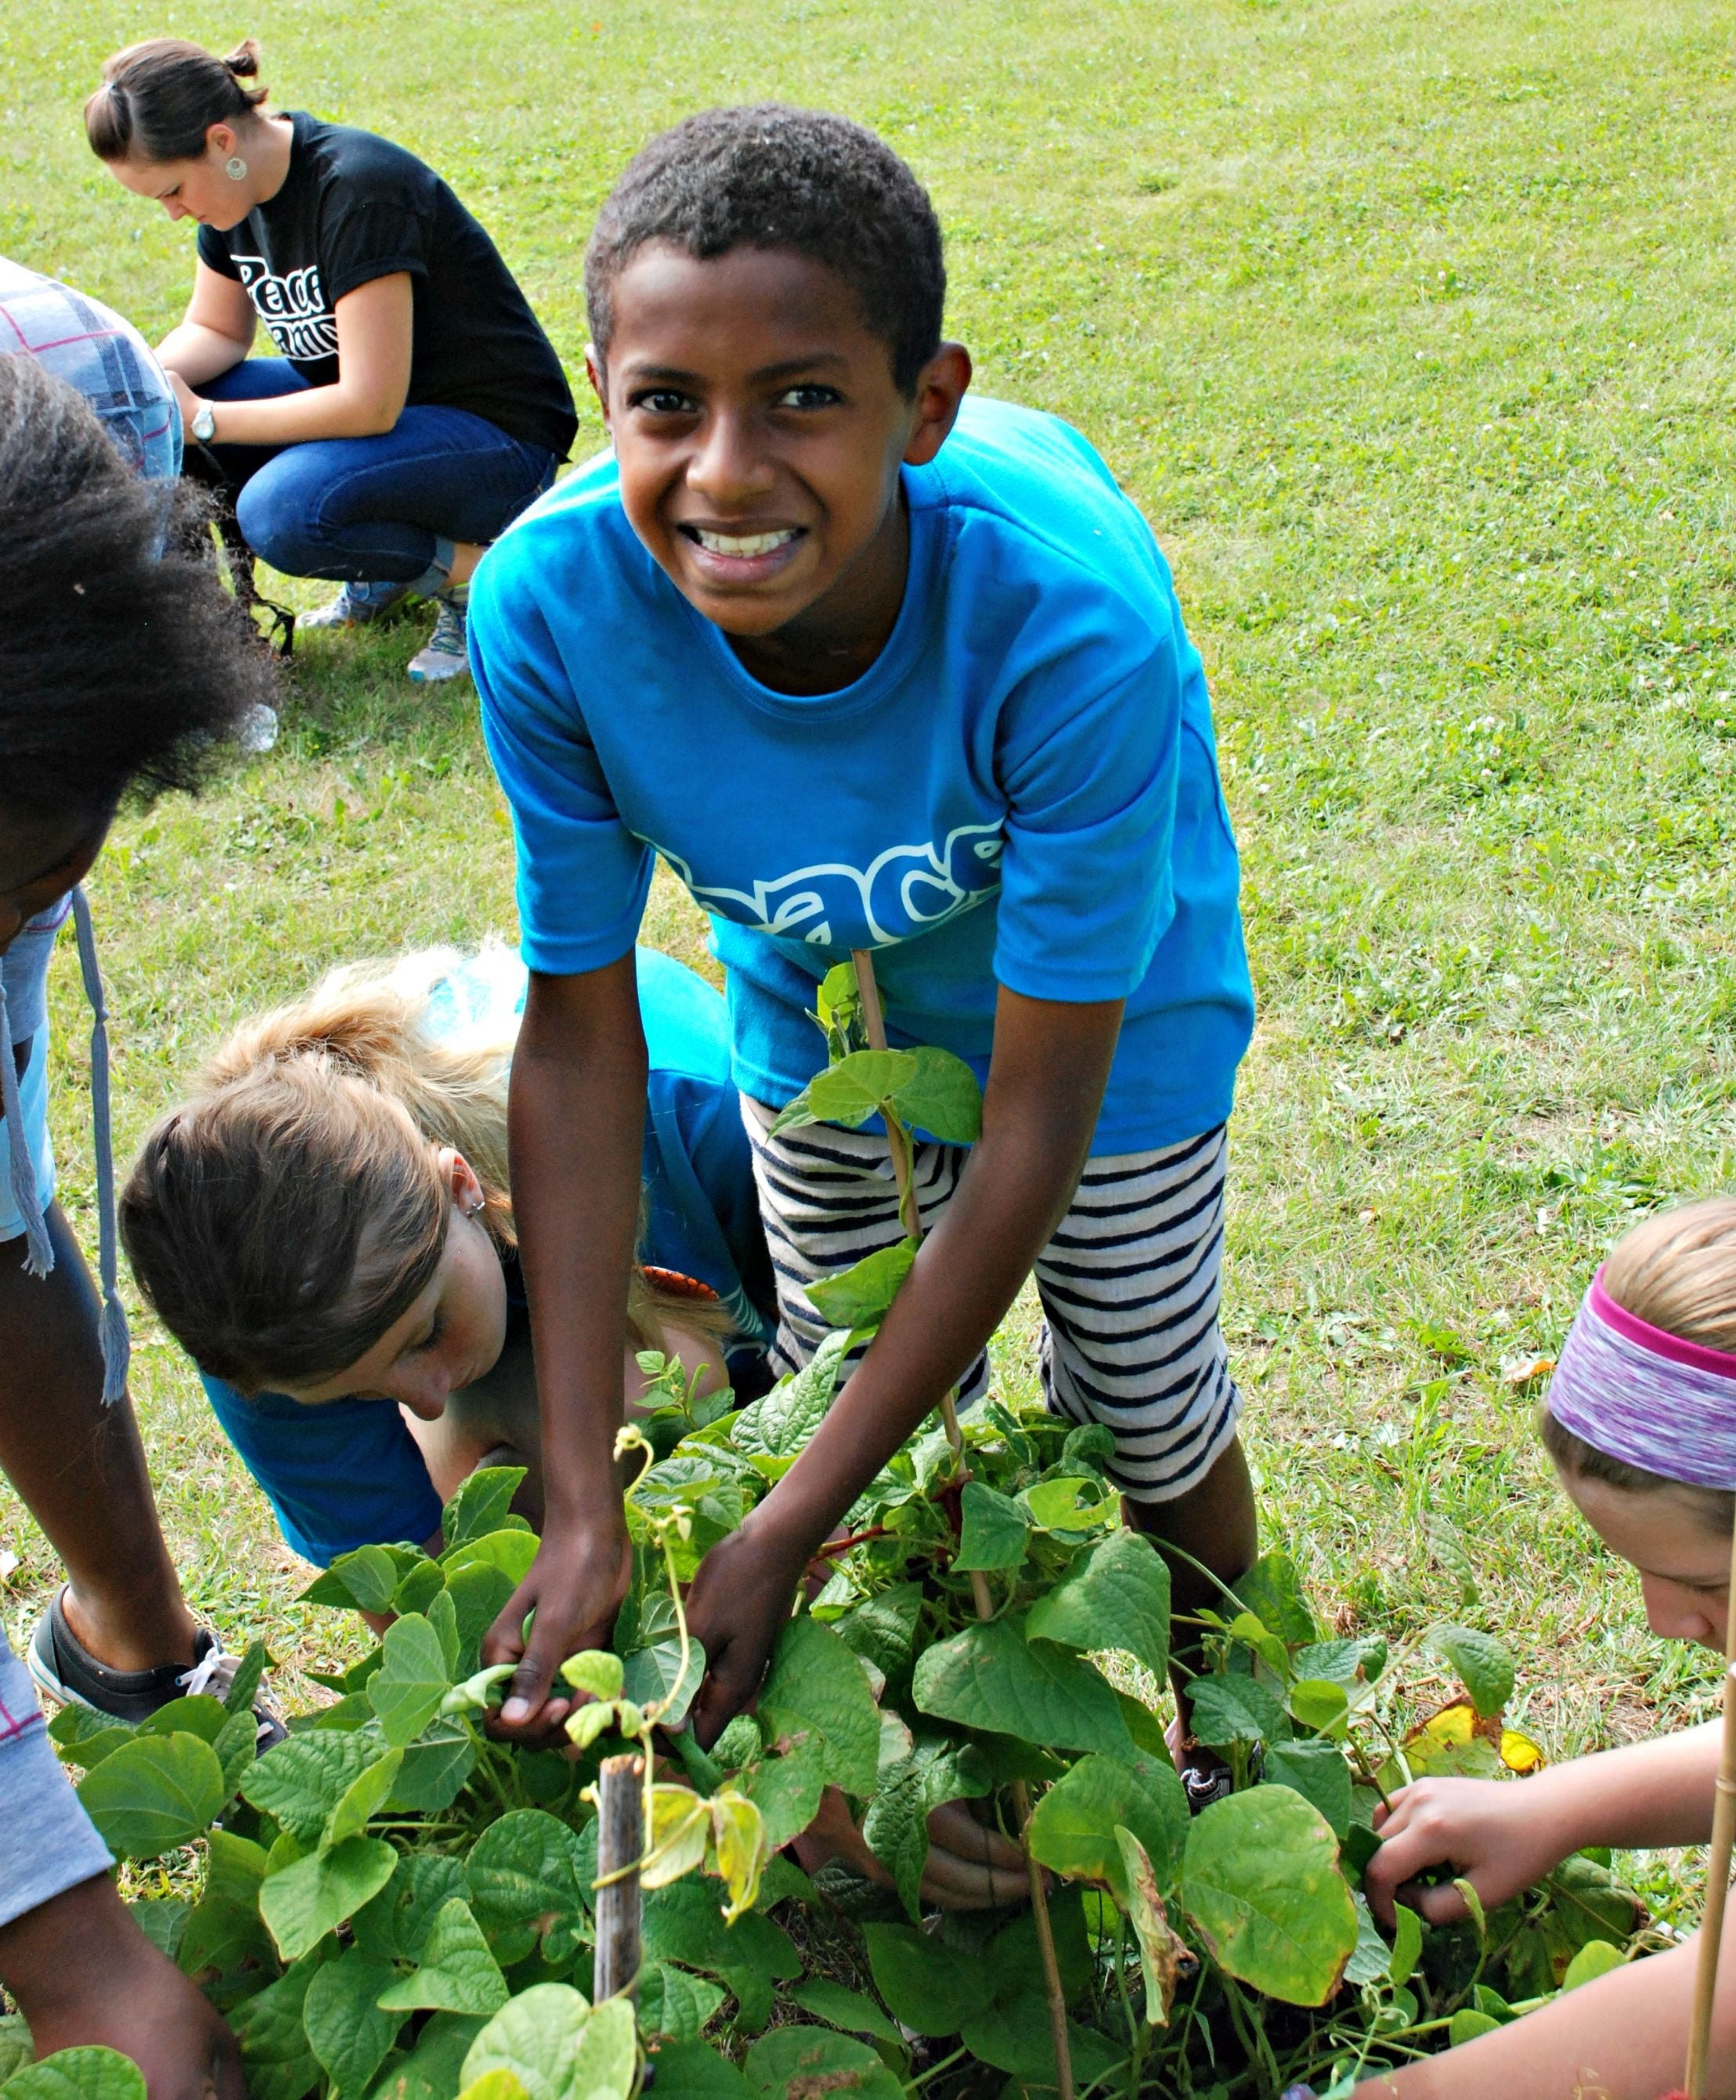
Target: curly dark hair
[124, 665]
[770, 176]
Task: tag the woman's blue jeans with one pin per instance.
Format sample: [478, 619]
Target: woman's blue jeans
[379, 509]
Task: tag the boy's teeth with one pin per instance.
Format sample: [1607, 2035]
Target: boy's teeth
[744, 545]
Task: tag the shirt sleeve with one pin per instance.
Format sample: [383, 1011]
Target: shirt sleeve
[213, 252]
[1091, 783]
[363, 238]
[48, 1844]
[582, 876]
[345, 1475]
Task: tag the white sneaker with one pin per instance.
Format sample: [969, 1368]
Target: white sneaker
[355, 605]
[447, 654]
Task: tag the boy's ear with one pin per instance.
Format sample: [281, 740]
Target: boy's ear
[467, 1191]
[941, 386]
[599, 378]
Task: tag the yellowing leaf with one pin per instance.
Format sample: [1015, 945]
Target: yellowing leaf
[1519, 1753]
[739, 1835]
[679, 1827]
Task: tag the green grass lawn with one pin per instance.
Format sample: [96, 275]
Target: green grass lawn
[1408, 329]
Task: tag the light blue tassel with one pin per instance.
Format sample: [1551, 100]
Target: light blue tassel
[39, 1254]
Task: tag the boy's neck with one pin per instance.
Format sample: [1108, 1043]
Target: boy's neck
[838, 638]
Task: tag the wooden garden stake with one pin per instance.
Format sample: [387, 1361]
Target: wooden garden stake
[1718, 1866]
[874, 1020]
[620, 1841]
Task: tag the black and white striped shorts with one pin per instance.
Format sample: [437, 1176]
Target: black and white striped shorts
[1129, 1284]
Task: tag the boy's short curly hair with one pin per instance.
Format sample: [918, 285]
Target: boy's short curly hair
[124, 666]
[770, 176]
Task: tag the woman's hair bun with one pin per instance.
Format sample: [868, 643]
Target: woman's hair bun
[244, 60]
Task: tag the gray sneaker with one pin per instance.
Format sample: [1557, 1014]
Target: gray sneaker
[447, 656]
[355, 605]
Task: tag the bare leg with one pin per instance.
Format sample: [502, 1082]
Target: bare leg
[80, 1466]
[1215, 1522]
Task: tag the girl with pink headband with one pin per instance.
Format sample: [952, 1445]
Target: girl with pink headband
[1641, 1421]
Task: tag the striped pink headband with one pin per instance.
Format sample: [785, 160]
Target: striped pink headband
[1646, 1397]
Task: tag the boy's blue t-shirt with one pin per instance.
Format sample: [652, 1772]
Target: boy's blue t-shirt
[349, 1473]
[1022, 791]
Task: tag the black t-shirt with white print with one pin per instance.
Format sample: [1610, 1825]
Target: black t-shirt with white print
[354, 207]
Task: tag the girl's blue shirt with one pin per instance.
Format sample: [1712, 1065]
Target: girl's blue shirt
[349, 1473]
[1020, 791]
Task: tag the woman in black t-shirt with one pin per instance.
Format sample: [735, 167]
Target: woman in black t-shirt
[415, 406]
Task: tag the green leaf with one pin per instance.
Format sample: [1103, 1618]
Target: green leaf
[994, 1532]
[85, 1738]
[237, 1744]
[304, 1901]
[992, 1677]
[436, 1768]
[1467, 2025]
[346, 2027]
[225, 1932]
[419, 1587]
[364, 1797]
[480, 1593]
[301, 1781]
[397, 1922]
[87, 2073]
[695, 2070]
[848, 2010]
[1320, 1705]
[1226, 1709]
[1596, 1958]
[896, 1825]
[1370, 1958]
[457, 1974]
[527, 1883]
[1407, 1947]
[861, 1296]
[1316, 1772]
[1484, 1667]
[684, 1923]
[943, 1099]
[816, 1683]
[407, 1689]
[793, 2063]
[850, 1092]
[674, 2002]
[278, 2058]
[649, 1677]
[536, 2036]
[883, 1628]
[14, 2045]
[483, 1504]
[365, 1580]
[433, 2069]
[786, 1790]
[1272, 1591]
[594, 1670]
[931, 1988]
[779, 1425]
[510, 1551]
[199, 1715]
[1072, 1828]
[1261, 1884]
[153, 1793]
[1341, 1661]
[1069, 1505]
[1115, 1596]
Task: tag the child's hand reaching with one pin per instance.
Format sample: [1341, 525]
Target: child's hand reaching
[741, 1596]
[971, 1867]
[1498, 1836]
[575, 1587]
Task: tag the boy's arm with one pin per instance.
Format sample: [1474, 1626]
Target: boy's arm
[1046, 1088]
[576, 1123]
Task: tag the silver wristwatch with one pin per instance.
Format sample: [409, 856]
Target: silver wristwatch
[205, 423]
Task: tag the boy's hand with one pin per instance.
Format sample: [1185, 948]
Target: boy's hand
[970, 1866]
[84, 1975]
[744, 1590]
[1498, 1836]
[575, 1587]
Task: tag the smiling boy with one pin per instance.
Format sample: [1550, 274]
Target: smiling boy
[871, 666]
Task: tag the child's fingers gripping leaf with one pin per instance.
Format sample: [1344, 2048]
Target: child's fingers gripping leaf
[566, 1603]
[740, 1597]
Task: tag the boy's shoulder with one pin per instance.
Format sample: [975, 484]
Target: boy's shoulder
[549, 550]
[1041, 498]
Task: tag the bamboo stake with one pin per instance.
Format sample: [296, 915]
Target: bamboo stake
[874, 1019]
[1718, 1866]
[620, 1839]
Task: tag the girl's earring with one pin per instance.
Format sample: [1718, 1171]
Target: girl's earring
[235, 168]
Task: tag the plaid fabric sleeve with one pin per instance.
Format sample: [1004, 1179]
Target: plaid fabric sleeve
[47, 1842]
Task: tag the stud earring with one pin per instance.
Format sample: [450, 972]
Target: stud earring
[235, 168]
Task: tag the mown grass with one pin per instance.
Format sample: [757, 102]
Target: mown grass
[1408, 330]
